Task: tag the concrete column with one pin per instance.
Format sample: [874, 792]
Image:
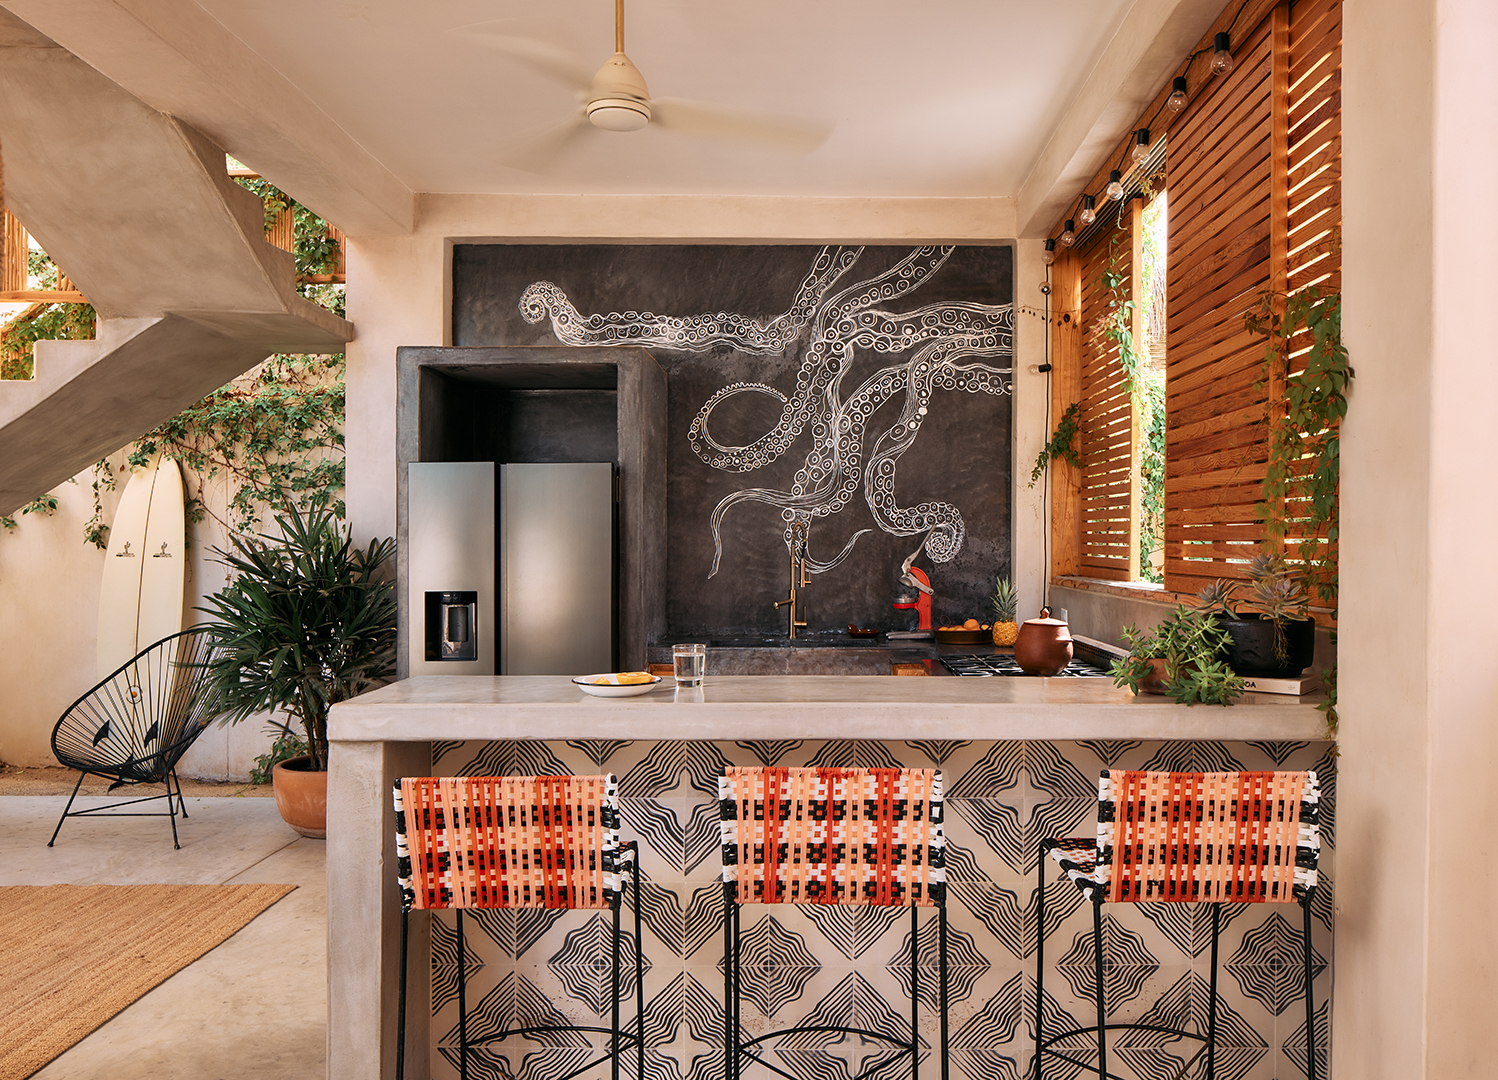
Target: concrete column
[1417, 950]
[398, 294]
[1031, 393]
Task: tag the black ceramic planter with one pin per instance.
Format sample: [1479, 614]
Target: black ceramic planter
[1251, 651]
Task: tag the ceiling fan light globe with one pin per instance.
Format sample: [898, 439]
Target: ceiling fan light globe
[618, 114]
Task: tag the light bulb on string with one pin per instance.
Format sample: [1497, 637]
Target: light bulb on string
[1114, 190]
[1089, 210]
[1050, 252]
[1141, 145]
[1069, 234]
[1177, 100]
[1222, 54]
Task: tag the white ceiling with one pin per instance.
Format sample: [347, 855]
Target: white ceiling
[934, 98]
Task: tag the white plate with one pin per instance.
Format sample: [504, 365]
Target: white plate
[586, 684]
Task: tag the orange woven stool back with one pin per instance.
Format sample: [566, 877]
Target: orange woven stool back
[507, 842]
[833, 836]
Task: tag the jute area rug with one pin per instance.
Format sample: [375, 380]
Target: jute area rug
[72, 956]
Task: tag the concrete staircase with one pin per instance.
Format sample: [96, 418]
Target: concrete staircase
[138, 210]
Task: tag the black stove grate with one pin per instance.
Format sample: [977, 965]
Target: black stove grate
[987, 666]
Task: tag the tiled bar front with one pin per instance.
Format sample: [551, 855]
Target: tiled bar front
[840, 965]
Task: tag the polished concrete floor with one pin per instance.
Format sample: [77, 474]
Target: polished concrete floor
[254, 1008]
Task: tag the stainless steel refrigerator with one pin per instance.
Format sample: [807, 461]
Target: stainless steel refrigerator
[534, 594]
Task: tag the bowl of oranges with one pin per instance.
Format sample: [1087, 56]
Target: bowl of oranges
[971, 632]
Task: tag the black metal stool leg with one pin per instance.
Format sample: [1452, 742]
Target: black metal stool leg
[1097, 942]
[1045, 852]
[462, 1002]
[400, 1008]
[1310, 998]
[65, 809]
[728, 1032]
[639, 977]
[1212, 996]
[915, 997]
[614, 1034]
[941, 946]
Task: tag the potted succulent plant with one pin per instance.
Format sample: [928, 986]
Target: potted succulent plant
[1179, 658]
[1271, 634]
[308, 620]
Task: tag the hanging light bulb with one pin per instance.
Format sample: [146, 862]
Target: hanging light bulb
[1177, 100]
[1069, 234]
[1089, 210]
[1114, 190]
[1222, 54]
[1141, 145]
[1050, 252]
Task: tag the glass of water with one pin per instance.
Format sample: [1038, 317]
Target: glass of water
[691, 663]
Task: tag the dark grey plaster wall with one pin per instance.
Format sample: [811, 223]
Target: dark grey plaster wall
[961, 456]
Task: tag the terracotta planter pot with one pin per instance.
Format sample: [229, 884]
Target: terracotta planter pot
[301, 796]
[1251, 652]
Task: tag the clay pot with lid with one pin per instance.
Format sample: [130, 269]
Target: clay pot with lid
[1044, 646]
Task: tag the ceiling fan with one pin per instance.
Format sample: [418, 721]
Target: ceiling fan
[615, 98]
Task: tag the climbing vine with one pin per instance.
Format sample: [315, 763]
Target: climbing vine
[1300, 485]
[1063, 444]
[40, 322]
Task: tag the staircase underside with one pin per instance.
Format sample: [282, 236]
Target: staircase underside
[139, 211]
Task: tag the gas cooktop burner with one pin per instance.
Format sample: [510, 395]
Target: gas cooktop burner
[986, 666]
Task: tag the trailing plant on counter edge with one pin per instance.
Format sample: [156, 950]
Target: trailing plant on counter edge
[1063, 444]
[1186, 643]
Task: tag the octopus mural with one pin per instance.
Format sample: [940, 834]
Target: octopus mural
[939, 345]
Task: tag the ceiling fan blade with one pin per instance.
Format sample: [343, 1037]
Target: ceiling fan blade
[535, 155]
[557, 61]
[792, 133]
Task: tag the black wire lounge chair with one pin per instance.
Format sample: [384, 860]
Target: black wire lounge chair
[135, 726]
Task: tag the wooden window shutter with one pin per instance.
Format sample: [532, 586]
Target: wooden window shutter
[1225, 239]
[1109, 495]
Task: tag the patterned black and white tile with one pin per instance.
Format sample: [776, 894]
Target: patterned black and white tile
[849, 966]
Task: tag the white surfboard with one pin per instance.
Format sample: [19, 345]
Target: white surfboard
[145, 566]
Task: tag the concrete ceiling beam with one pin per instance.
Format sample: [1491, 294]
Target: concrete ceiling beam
[179, 60]
[1155, 37]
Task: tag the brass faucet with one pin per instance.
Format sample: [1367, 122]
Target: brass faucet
[800, 576]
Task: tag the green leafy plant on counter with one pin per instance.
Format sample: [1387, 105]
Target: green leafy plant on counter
[1063, 444]
[1179, 659]
[307, 621]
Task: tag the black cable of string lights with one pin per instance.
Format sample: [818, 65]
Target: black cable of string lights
[1149, 126]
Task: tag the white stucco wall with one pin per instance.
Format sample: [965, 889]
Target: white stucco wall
[49, 611]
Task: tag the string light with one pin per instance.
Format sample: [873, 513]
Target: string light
[1050, 252]
[1177, 100]
[1069, 234]
[1089, 210]
[1222, 54]
[1114, 190]
[1141, 145]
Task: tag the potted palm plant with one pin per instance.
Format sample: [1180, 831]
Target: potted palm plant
[1271, 633]
[307, 621]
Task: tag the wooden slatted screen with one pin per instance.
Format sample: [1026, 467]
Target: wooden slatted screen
[1220, 166]
[1109, 445]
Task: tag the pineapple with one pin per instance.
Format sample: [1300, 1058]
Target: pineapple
[1005, 630]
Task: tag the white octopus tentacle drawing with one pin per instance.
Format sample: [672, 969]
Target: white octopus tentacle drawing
[935, 338]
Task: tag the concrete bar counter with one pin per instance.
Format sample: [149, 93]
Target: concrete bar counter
[992, 736]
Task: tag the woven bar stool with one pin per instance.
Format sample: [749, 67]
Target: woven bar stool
[467, 842]
[831, 836]
[1212, 838]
